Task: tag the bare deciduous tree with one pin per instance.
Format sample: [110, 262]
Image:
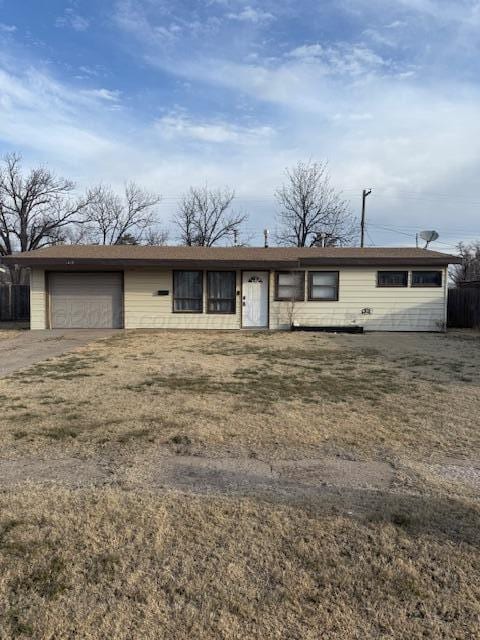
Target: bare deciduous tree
[113, 219]
[470, 267]
[156, 236]
[35, 208]
[204, 217]
[312, 211]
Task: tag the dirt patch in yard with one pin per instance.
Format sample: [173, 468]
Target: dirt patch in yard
[69, 472]
[245, 476]
[462, 472]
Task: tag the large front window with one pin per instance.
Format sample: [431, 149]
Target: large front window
[188, 291]
[221, 288]
[290, 285]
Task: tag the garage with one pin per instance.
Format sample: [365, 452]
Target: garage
[92, 300]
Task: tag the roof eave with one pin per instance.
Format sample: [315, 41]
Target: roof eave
[375, 261]
[24, 260]
[125, 263]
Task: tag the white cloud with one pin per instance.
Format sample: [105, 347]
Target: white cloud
[343, 58]
[250, 14]
[73, 20]
[37, 113]
[7, 28]
[181, 126]
[396, 24]
[440, 11]
[103, 94]
[308, 52]
[89, 71]
[380, 38]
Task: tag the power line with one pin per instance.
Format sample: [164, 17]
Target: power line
[452, 233]
[408, 235]
[370, 238]
[379, 194]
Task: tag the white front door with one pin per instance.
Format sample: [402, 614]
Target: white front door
[255, 299]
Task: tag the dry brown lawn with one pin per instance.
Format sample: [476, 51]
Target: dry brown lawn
[8, 333]
[243, 485]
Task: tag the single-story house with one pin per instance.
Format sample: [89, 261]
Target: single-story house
[177, 287]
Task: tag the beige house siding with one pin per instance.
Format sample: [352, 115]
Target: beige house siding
[144, 308]
[38, 300]
[392, 309]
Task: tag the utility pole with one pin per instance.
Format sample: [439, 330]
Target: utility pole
[365, 193]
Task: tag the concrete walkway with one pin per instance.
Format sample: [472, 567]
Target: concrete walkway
[30, 347]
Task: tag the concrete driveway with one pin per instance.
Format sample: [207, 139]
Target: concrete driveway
[30, 347]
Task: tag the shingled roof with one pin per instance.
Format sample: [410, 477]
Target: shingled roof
[134, 255]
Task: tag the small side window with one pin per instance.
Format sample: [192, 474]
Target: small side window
[392, 278]
[426, 278]
[290, 285]
[323, 285]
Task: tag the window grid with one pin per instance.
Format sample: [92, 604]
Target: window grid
[193, 303]
[389, 279]
[213, 300]
[421, 278]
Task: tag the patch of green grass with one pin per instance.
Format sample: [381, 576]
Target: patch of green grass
[138, 434]
[64, 368]
[60, 433]
[8, 543]
[101, 424]
[52, 401]
[401, 519]
[262, 385]
[21, 435]
[73, 416]
[180, 438]
[18, 628]
[102, 567]
[24, 417]
[15, 407]
[44, 578]
[6, 526]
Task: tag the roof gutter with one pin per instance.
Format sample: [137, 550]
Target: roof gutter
[73, 263]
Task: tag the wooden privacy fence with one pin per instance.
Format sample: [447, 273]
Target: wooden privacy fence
[14, 303]
[464, 308]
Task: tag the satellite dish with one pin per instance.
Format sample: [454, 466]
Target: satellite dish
[428, 236]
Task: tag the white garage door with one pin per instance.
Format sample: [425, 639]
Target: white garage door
[86, 300]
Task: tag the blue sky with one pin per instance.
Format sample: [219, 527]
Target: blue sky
[230, 92]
